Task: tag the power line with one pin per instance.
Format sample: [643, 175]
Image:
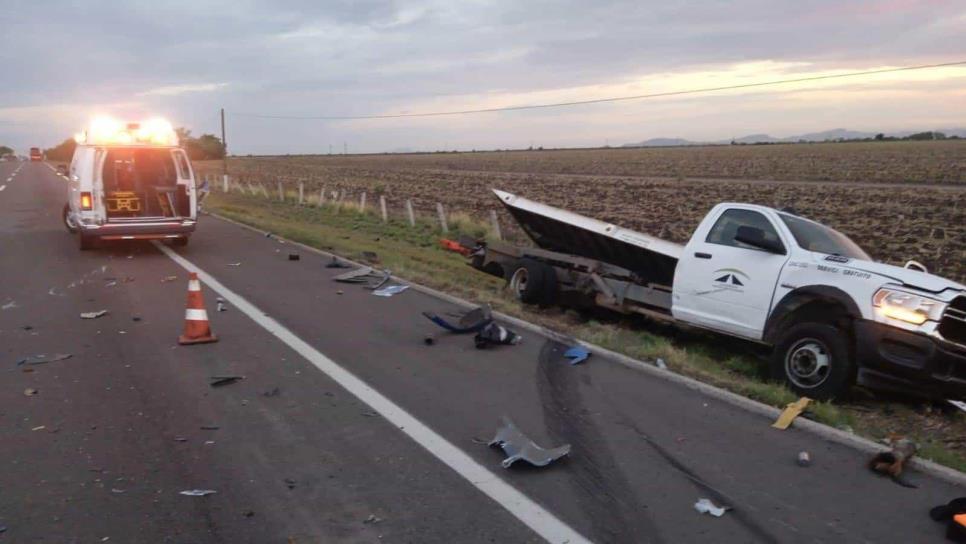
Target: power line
[602, 100]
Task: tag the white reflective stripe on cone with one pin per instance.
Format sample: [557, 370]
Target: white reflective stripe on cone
[194, 285]
[191, 314]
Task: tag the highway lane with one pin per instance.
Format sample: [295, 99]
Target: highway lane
[616, 487]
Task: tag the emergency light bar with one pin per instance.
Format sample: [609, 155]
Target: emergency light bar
[108, 131]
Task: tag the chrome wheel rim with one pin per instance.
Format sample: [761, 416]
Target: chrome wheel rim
[518, 282]
[808, 363]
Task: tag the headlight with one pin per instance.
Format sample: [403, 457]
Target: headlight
[907, 307]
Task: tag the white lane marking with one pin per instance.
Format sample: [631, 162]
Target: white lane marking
[2, 187]
[519, 505]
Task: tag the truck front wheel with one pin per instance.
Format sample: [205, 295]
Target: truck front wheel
[814, 360]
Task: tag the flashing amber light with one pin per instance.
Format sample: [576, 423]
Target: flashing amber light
[86, 202]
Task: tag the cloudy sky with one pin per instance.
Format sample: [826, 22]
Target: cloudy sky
[63, 62]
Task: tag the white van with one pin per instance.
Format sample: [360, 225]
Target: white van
[130, 182]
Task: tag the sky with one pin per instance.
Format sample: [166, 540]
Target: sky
[61, 63]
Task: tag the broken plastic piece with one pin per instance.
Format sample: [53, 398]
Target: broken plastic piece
[93, 315]
[454, 246]
[518, 446]
[493, 334]
[198, 492]
[792, 410]
[30, 392]
[234, 264]
[218, 381]
[472, 321]
[577, 354]
[355, 276]
[660, 363]
[390, 290]
[705, 506]
[804, 459]
[958, 404]
[294, 256]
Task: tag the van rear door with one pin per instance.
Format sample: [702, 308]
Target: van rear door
[187, 204]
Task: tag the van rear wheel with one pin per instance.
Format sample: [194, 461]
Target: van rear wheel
[71, 228]
[86, 242]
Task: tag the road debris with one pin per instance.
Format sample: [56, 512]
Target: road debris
[472, 321]
[493, 334]
[53, 292]
[705, 506]
[804, 459]
[891, 463]
[43, 359]
[660, 363]
[29, 392]
[290, 483]
[180, 439]
[117, 491]
[198, 492]
[372, 519]
[93, 315]
[234, 264]
[518, 446]
[210, 427]
[792, 410]
[953, 514]
[219, 381]
[273, 393]
[221, 304]
[248, 513]
[336, 263]
[390, 290]
[577, 354]
[454, 246]
[40, 428]
[169, 279]
[294, 257]
[110, 283]
[429, 339]
[9, 305]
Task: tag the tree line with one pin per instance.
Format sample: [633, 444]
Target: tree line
[203, 148]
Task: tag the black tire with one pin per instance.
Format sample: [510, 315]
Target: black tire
[70, 229]
[533, 282]
[814, 360]
[180, 242]
[86, 242]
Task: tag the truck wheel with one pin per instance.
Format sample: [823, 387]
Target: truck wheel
[814, 360]
[180, 241]
[534, 282]
[71, 228]
[86, 242]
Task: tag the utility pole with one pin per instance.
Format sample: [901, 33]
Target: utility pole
[330, 149]
[345, 148]
[224, 145]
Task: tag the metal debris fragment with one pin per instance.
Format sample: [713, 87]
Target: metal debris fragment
[804, 459]
[518, 446]
[93, 315]
[705, 506]
[218, 381]
[891, 463]
[336, 263]
[791, 411]
[43, 359]
[198, 492]
[234, 264]
[29, 392]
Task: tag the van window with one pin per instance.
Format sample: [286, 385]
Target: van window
[184, 171]
[724, 230]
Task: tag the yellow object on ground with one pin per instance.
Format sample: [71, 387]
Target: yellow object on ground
[791, 411]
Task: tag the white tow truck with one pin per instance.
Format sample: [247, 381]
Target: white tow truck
[831, 315]
[129, 181]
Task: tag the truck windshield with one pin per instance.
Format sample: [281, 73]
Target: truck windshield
[816, 237]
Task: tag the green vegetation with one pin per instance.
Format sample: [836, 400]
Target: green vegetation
[415, 254]
[62, 152]
[4, 150]
[203, 148]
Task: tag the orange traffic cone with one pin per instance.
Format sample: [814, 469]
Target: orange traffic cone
[196, 327]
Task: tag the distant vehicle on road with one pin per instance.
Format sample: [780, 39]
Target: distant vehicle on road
[35, 154]
[831, 315]
[130, 182]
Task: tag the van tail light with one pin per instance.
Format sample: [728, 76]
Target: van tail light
[86, 202]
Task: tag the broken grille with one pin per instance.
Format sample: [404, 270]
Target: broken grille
[953, 324]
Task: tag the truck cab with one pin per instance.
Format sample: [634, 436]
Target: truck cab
[35, 154]
[832, 314]
[130, 182]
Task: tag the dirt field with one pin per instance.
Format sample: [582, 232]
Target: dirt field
[921, 215]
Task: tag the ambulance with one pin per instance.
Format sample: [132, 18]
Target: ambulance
[130, 181]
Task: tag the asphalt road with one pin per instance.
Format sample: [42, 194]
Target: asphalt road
[115, 432]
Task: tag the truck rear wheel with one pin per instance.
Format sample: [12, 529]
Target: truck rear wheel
[71, 228]
[814, 360]
[534, 282]
[180, 241]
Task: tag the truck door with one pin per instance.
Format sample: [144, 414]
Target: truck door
[727, 285]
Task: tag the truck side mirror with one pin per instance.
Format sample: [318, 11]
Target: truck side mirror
[755, 237]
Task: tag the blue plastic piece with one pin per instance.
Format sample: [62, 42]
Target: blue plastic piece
[577, 354]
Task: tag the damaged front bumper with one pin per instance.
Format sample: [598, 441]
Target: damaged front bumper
[891, 358]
